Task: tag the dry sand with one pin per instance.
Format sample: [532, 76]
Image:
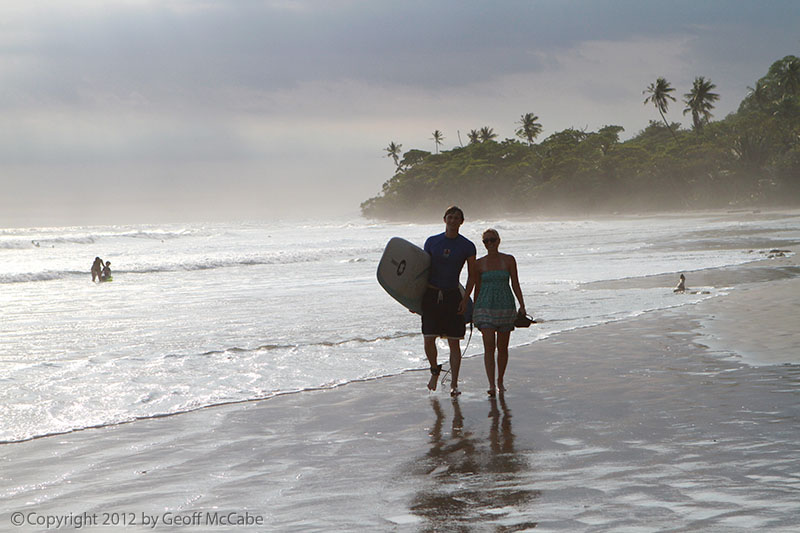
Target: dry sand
[656, 423]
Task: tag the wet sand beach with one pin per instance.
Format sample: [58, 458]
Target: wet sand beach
[663, 422]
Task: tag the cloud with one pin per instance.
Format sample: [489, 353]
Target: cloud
[212, 103]
[179, 55]
[164, 52]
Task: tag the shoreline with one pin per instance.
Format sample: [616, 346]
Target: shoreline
[434, 217]
[641, 423]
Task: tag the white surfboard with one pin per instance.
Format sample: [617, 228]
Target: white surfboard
[403, 272]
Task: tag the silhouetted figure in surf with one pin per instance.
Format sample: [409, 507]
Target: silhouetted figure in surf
[105, 275]
[681, 288]
[97, 269]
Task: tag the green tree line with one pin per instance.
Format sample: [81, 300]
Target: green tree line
[750, 158]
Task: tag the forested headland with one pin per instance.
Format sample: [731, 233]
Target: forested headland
[751, 158]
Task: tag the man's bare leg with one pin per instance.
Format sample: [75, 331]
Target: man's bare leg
[455, 364]
[432, 354]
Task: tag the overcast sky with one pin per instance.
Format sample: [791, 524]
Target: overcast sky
[188, 110]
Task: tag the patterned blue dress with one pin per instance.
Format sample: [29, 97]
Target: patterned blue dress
[495, 307]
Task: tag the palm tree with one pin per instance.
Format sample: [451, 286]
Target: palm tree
[394, 152]
[789, 77]
[487, 134]
[530, 128]
[659, 94]
[474, 136]
[700, 102]
[437, 139]
[758, 94]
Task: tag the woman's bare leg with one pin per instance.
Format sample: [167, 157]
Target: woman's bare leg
[503, 338]
[488, 355]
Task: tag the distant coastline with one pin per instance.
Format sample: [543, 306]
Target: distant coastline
[748, 160]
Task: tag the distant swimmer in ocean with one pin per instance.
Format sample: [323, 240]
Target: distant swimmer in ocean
[495, 309]
[97, 269]
[681, 288]
[105, 275]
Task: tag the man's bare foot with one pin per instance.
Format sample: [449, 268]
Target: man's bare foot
[435, 371]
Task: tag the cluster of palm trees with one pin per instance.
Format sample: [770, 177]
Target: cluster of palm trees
[749, 157]
[529, 129]
[482, 135]
[699, 101]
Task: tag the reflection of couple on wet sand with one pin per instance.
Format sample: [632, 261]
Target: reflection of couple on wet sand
[469, 479]
[100, 271]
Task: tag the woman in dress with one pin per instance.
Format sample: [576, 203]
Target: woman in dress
[495, 309]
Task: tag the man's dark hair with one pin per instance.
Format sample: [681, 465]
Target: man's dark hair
[454, 209]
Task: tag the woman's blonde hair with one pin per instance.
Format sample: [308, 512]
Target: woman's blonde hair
[491, 230]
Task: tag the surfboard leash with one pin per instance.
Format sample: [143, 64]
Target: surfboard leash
[463, 353]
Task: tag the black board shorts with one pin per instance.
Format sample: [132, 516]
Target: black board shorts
[440, 316]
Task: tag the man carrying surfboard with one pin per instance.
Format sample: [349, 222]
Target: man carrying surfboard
[443, 305]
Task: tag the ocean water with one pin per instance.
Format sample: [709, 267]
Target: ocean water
[204, 314]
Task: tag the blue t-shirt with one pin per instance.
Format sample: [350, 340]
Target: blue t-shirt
[447, 259]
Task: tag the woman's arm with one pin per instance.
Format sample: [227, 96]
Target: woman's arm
[472, 275]
[515, 282]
